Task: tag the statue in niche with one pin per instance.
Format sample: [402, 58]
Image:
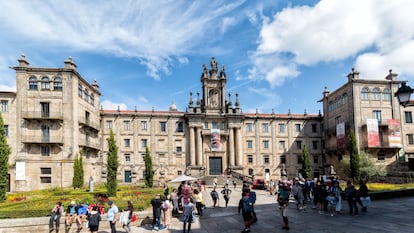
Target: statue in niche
[214, 98]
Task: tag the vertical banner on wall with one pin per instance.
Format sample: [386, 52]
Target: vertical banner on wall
[373, 134]
[340, 135]
[215, 139]
[394, 137]
[20, 170]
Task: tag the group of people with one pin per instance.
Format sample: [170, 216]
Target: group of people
[92, 214]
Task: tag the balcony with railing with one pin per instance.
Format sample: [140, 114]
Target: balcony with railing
[90, 144]
[38, 115]
[89, 123]
[42, 139]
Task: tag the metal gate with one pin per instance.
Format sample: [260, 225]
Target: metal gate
[215, 166]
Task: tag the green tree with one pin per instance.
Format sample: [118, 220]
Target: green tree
[112, 166]
[355, 173]
[306, 165]
[149, 172]
[77, 180]
[5, 152]
[369, 168]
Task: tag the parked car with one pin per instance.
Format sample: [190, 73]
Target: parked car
[258, 184]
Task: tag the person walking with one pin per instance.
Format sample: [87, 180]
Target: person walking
[226, 194]
[283, 200]
[174, 200]
[156, 212]
[112, 216]
[198, 198]
[363, 195]
[188, 209]
[167, 208]
[128, 212]
[94, 217]
[246, 207]
[55, 217]
[214, 196]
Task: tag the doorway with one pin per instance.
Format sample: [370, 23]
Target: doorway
[127, 177]
[215, 166]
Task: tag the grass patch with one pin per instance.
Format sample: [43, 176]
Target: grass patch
[39, 203]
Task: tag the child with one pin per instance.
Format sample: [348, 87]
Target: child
[331, 203]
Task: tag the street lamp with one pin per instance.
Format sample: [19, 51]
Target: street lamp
[403, 94]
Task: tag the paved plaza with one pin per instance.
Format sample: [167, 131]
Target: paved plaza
[390, 215]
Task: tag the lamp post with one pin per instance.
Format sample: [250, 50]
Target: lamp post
[403, 94]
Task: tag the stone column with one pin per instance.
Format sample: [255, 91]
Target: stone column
[199, 147]
[239, 153]
[231, 147]
[192, 147]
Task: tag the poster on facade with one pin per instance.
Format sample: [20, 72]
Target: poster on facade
[373, 134]
[394, 137]
[340, 135]
[215, 139]
[20, 170]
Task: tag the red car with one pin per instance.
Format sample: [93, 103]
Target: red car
[258, 184]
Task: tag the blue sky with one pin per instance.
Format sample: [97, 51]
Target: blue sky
[147, 54]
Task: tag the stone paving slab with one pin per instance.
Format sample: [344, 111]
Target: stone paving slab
[390, 215]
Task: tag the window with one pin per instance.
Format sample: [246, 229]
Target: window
[4, 106]
[127, 157]
[266, 159]
[250, 159]
[249, 127]
[45, 83]
[144, 125]
[250, 171]
[314, 128]
[299, 159]
[45, 150]
[265, 144]
[249, 144]
[144, 143]
[205, 125]
[6, 130]
[410, 139]
[80, 90]
[57, 84]
[377, 115]
[32, 83]
[386, 94]
[179, 172]
[46, 180]
[45, 133]
[299, 145]
[45, 109]
[376, 94]
[180, 126]
[109, 124]
[127, 142]
[214, 125]
[178, 149]
[92, 99]
[316, 159]
[127, 125]
[163, 126]
[364, 93]
[281, 128]
[297, 128]
[86, 95]
[337, 120]
[282, 145]
[381, 155]
[46, 171]
[283, 159]
[315, 145]
[223, 125]
[408, 117]
[265, 127]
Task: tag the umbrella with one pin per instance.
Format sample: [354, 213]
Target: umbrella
[182, 178]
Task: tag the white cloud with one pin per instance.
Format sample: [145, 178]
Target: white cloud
[378, 33]
[108, 105]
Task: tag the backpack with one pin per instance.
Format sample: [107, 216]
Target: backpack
[247, 204]
[253, 196]
[214, 195]
[94, 219]
[72, 209]
[283, 197]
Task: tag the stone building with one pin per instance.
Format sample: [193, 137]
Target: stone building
[55, 114]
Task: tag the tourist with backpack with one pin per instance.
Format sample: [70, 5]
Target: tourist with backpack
[226, 194]
[94, 217]
[246, 207]
[283, 200]
[214, 196]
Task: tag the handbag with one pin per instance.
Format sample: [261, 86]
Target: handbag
[366, 201]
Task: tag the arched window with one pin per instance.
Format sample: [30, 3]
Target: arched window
[364, 93]
[86, 95]
[386, 94]
[57, 84]
[45, 82]
[80, 90]
[376, 94]
[250, 171]
[33, 83]
[92, 99]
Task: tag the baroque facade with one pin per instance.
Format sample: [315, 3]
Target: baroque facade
[54, 115]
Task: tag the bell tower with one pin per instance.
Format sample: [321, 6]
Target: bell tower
[214, 89]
